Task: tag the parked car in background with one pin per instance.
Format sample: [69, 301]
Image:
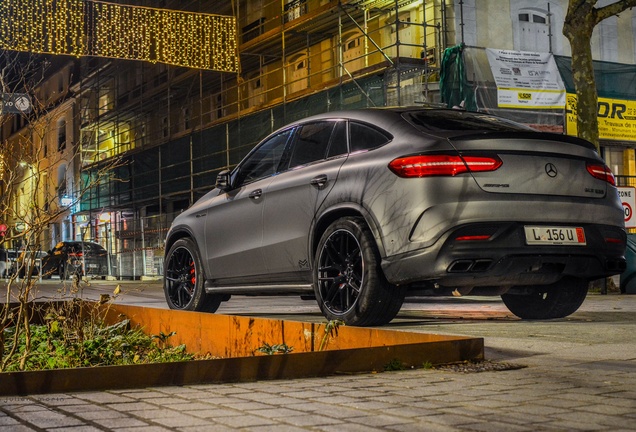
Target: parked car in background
[26, 259]
[70, 258]
[361, 208]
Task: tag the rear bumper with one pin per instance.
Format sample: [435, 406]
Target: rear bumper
[504, 259]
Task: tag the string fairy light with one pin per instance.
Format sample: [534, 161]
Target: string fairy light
[97, 28]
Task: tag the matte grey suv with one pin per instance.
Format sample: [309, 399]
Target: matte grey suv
[362, 208]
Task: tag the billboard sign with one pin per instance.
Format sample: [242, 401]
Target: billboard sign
[616, 118]
[526, 79]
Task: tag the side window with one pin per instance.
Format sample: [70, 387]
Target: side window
[338, 144]
[310, 143]
[264, 161]
[363, 137]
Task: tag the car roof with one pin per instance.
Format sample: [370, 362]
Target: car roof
[381, 116]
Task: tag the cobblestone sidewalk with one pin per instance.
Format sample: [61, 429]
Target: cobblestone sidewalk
[577, 374]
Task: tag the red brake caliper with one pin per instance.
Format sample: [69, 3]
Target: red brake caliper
[193, 276]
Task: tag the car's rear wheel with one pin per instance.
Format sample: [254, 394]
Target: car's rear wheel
[557, 300]
[348, 282]
[183, 279]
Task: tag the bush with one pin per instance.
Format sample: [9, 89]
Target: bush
[65, 341]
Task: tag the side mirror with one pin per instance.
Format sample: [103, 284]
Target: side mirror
[223, 180]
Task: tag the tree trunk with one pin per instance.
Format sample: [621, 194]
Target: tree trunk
[578, 29]
[581, 18]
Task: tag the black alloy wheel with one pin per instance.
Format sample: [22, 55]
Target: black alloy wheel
[184, 278]
[348, 283]
[556, 300]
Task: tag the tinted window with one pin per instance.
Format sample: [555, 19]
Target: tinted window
[338, 144]
[450, 120]
[311, 143]
[264, 161]
[363, 137]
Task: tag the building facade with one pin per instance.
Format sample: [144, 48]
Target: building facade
[129, 143]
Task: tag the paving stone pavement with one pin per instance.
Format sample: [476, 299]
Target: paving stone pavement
[575, 374]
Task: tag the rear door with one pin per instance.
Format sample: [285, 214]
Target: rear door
[317, 152]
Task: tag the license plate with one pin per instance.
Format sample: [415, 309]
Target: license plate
[92, 265]
[555, 236]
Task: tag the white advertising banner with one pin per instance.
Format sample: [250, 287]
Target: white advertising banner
[526, 79]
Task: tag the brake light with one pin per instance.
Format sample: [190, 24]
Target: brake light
[442, 165]
[601, 172]
[473, 238]
[613, 240]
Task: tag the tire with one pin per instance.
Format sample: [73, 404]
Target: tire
[184, 278]
[557, 300]
[348, 282]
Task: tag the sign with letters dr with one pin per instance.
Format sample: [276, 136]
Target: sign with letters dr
[616, 118]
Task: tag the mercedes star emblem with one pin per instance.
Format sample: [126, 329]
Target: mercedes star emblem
[551, 170]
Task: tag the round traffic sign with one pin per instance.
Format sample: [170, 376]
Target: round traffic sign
[628, 211]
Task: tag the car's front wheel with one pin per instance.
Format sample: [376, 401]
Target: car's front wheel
[183, 279]
[557, 300]
[348, 282]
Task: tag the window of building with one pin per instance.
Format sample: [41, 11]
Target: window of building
[61, 135]
[533, 28]
[352, 44]
[614, 159]
[104, 103]
[165, 127]
[186, 118]
[295, 9]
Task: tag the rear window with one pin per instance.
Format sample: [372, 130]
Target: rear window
[439, 121]
[363, 137]
[87, 247]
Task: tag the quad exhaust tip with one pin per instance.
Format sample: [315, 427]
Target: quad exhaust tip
[469, 266]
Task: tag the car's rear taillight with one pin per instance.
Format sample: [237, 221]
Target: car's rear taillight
[601, 172]
[442, 165]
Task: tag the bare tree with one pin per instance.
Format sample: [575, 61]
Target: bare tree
[30, 196]
[580, 21]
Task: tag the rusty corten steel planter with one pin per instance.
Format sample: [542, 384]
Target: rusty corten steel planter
[235, 338]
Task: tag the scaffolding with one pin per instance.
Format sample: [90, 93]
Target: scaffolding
[174, 128]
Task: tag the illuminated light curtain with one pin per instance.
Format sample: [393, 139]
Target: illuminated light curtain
[42, 26]
[195, 40]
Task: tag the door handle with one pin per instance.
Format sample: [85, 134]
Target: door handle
[256, 194]
[319, 181]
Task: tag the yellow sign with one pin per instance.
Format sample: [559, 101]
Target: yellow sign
[616, 118]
